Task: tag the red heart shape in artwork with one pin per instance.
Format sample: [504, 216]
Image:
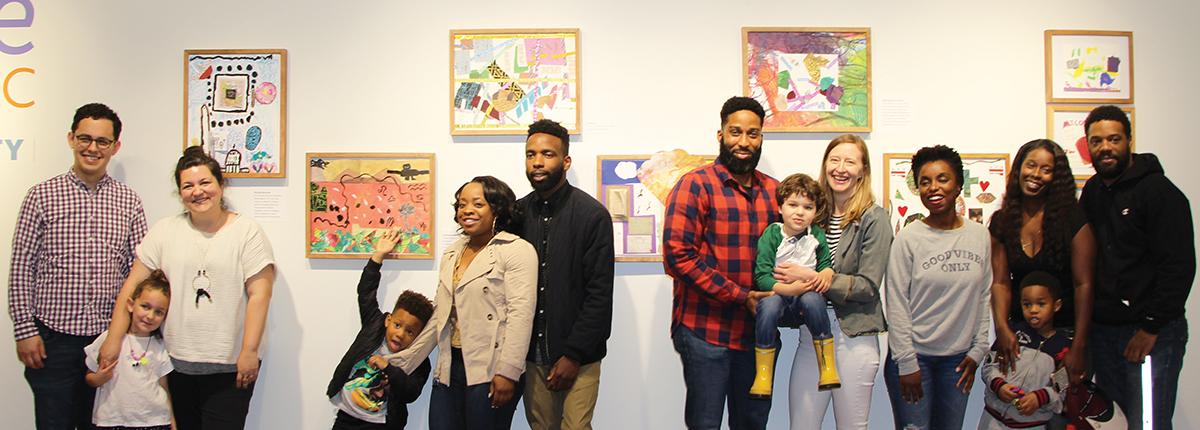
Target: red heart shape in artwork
[903, 210]
[984, 184]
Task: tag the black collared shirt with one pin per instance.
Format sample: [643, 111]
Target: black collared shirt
[572, 233]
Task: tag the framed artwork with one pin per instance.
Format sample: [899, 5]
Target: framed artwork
[809, 79]
[235, 107]
[985, 176]
[1064, 124]
[352, 197]
[635, 188]
[1084, 66]
[503, 80]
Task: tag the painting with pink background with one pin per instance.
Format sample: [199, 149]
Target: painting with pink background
[352, 198]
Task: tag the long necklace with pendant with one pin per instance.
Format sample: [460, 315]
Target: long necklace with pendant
[201, 283]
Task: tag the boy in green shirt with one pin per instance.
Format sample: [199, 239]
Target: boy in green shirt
[798, 240]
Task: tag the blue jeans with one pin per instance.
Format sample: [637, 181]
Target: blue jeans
[1122, 380]
[943, 405]
[61, 398]
[459, 406]
[787, 311]
[713, 374]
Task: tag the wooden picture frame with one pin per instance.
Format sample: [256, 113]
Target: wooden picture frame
[353, 196]
[986, 176]
[1060, 119]
[641, 183]
[1089, 66]
[235, 106]
[833, 92]
[487, 95]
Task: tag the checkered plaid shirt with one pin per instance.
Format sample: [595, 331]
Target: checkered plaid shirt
[710, 234]
[72, 250]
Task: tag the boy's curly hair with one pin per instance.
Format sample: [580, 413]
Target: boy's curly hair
[1044, 279]
[804, 186]
[415, 304]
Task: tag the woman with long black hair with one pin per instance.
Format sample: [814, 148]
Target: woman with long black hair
[1040, 226]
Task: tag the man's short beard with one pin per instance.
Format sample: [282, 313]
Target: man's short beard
[1115, 171]
[736, 165]
[553, 178]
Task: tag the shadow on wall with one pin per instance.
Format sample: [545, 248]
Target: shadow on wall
[280, 363]
[641, 380]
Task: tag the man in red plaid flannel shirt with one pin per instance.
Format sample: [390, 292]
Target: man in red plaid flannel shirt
[714, 217]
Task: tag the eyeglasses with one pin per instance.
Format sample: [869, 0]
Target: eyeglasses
[85, 141]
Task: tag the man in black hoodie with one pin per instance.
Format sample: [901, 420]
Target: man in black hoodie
[1146, 264]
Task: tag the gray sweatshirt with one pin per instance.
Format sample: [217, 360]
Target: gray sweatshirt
[938, 292]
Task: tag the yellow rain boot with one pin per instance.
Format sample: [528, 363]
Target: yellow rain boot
[764, 363]
[828, 365]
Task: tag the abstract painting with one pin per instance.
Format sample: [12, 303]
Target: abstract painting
[1064, 125]
[235, 107]
[635, 189]
[1084, 66]
[984, 180]
[809, 79]
[353, 197]
[504, 80]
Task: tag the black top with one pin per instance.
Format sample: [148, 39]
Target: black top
[1021, 264]
[402, 388]
[572, 233]
[1146, 256]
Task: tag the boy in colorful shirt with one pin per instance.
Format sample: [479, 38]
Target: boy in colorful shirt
[368, 390]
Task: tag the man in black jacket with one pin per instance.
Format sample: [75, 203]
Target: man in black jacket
[1147, 261]
[572, 233]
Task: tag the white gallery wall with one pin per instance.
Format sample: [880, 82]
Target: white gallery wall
[372, 76]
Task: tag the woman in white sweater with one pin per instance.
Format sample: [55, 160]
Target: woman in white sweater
[222, 269]
[938, 293]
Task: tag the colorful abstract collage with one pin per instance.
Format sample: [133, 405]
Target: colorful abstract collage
[635, 188]
[504, 80]
[809, 80]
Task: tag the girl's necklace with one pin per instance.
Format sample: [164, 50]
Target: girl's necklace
[138, 359]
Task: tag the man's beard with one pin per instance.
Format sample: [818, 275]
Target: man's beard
[553, 178]
[1114, 171]
[736, 165]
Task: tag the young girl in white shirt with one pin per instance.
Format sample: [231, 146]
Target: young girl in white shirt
[132, 391]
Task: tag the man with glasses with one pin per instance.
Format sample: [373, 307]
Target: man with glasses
[72, 249]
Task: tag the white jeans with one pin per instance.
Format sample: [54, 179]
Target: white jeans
[857, 364]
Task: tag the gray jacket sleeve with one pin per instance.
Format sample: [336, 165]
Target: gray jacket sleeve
[862, 283]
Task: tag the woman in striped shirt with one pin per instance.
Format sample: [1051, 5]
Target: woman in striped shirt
[859, 240]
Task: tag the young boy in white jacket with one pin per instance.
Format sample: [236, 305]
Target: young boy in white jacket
[1025, 395]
